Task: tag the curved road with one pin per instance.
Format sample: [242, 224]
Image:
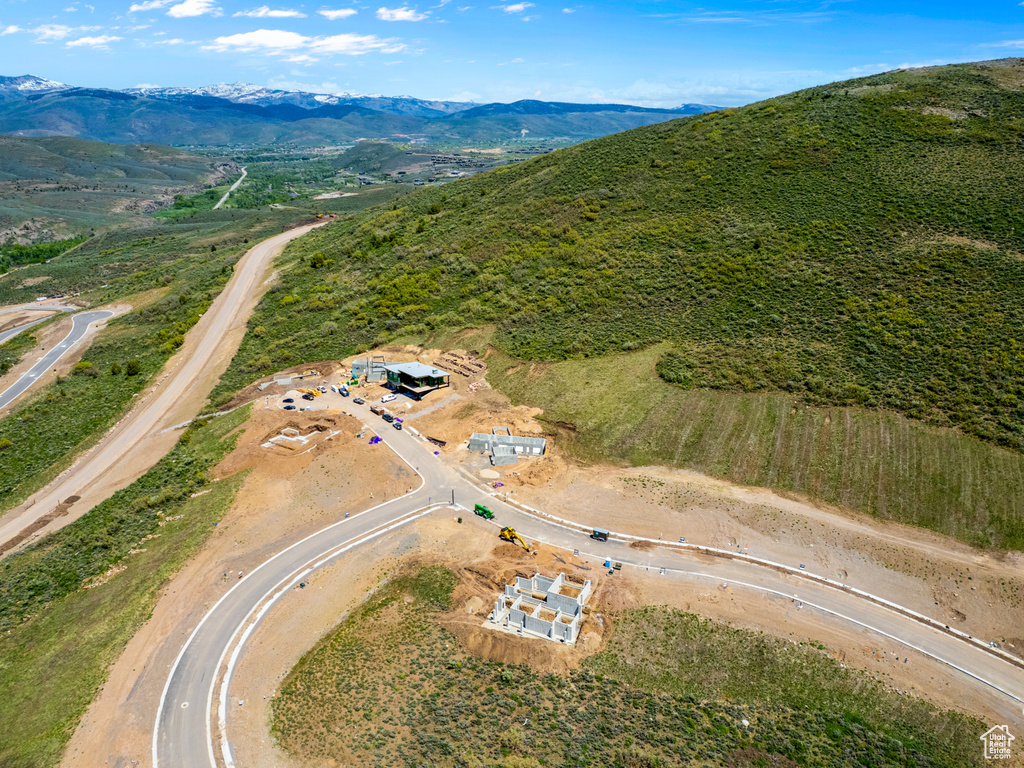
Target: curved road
[230, 190]
[187, 379]
[184, 732]
[78, 330]
[49, 309]
[10, 333]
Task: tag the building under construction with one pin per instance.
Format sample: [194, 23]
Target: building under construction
[543, 607]
[506, 448]
[415, 379]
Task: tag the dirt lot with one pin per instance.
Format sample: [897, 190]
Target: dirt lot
[14, 318]
[290, 492]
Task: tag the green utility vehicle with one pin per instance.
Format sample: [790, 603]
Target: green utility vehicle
[483, 512]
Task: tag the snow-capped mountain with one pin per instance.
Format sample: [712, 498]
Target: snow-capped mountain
[243, 113]
[26, 85]
[248, 93]
[242, 93]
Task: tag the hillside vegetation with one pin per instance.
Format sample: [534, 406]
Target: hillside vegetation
[392, 686]
[57, 186]
[854, 245]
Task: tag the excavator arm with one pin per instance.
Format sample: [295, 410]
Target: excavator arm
[510, 535]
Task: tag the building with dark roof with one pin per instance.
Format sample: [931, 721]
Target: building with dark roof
[416, 379]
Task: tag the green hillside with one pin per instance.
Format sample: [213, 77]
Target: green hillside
[52, 187]
[857, 244]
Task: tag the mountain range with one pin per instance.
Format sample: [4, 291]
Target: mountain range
[242, 113]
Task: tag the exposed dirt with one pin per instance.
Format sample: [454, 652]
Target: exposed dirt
[483, 568]
[18, 317]
[1009, 73]
[137, 442]
[283, 499]
[302, 479]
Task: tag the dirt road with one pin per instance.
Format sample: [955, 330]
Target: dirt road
[137, 442]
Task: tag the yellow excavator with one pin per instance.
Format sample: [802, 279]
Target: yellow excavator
[510, 535]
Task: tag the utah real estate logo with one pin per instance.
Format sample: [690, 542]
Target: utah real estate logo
[997, 742]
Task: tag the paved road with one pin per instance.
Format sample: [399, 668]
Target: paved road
[183, 733]
[178, 396]
[232, 189]
[79, 326]
[48, 308]
[10, 333]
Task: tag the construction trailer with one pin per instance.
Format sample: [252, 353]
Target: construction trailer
[415, 379]
[543, 607]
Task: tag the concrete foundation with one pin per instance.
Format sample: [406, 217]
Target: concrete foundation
[506, 448]
[543, 607]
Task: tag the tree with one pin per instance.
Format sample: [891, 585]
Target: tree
[133, 368]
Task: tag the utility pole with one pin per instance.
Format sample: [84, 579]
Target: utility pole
[453, 497]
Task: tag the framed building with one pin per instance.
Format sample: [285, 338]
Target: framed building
[416, 379]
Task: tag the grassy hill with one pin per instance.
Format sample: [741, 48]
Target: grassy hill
[60, 185]
[857, 244]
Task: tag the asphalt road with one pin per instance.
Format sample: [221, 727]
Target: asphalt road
[79, 326]
[176, 397]
[230, 190]
[184, 734]
[10, 333]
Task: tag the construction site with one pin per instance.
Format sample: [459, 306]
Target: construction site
[518, 600]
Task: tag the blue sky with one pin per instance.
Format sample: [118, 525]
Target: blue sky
[654, 53]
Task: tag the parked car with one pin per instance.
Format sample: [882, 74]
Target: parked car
[397, 425]
[288, 400]
[307, 396]
[389, 398]
[388, 417]
[289, 407]
[358, 400]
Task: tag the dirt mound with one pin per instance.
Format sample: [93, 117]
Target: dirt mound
[278, 443]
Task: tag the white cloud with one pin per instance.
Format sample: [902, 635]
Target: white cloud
[340, 13]
[98, 42]
[149, 5]
[400, 14]
[273, 40]
[568, 10]
[53, 32]
[267, 12]
[189, 8]
[870, 69]
[355, 45]
[172, 41]
[281, 42]
[516, 7]
[1008, 43]
[11, 29]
